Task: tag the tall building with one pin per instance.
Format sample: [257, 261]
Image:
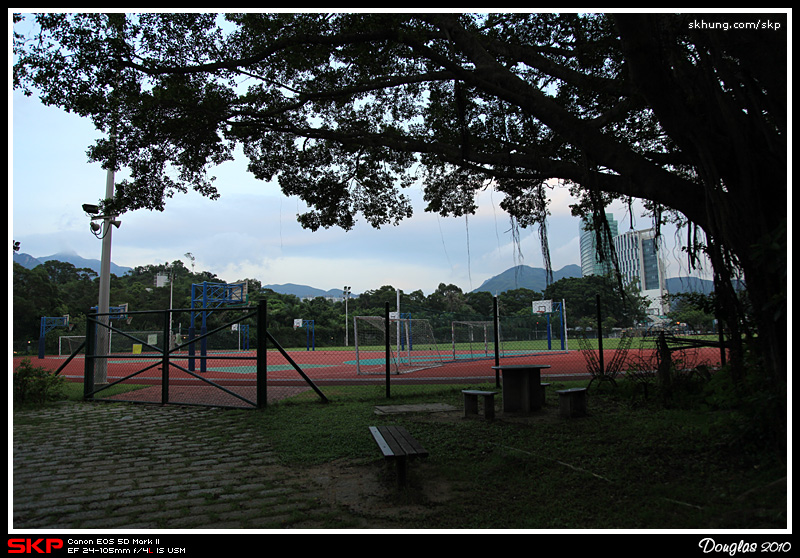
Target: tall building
[639, 262]
[590, 257]
[637, 257]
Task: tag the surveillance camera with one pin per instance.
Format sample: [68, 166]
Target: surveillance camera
[91, 209]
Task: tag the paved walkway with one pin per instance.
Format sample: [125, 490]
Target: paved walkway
[110, 466]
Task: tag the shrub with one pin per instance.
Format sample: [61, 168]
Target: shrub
[756, 409]
[35, 385]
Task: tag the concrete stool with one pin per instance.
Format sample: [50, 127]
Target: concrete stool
[543, 392]
[471, 402]
[572, 402]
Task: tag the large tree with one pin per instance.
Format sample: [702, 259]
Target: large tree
[686, 112]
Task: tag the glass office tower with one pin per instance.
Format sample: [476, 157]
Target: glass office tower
[591, 263]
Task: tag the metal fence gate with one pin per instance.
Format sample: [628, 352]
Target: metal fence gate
[157, 365]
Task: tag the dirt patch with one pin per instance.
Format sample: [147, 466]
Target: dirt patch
[370, 490]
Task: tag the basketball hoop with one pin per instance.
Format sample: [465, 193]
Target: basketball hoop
[542, 306]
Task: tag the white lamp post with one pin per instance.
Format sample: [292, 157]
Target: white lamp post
[102, 348]
[346, 295]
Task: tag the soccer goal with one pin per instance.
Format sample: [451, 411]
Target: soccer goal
[412, 345]
[68, 344]
[472, 339]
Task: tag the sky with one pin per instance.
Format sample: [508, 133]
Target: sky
[251, 231]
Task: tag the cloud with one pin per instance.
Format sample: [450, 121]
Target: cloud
[252, 231]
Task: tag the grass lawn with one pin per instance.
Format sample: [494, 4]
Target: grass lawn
[629, 464]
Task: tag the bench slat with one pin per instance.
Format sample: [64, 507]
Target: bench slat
[395, 441]
[407, 442]
[381, 441]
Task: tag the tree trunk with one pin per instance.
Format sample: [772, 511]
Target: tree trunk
[740, 159]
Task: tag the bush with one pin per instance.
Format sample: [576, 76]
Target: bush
[35, 385]
[756, 409]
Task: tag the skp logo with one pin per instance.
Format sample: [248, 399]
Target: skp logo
[30, 546]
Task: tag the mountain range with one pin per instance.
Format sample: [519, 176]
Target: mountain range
[526, 277]
[521, 276]
[29, 262]
[303, 291]
[534, 278]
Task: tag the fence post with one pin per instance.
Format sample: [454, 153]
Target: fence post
[88, 361]
[165, 361]
[600, 336]
[261, 355]
[496, 340]
[191, 343]
[721, 337]
[388, 351]
[41, 338]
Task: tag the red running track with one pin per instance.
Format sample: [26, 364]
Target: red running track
[331, 367]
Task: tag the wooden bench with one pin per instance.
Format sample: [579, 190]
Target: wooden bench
[397, 444]
[572, 402]
[471, 402]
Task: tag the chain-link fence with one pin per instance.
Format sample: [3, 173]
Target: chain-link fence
[238, 361]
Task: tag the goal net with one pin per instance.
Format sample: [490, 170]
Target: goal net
[472, 339]
[68, 344]
[119, 342]
[137, 342]
[412, 345]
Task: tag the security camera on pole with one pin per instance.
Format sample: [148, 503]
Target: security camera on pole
[103, 232]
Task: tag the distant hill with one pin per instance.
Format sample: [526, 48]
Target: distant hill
[533, 278]
[526, 277]
[677, 285]
[303, 291]
[29, 262]
[518, 277]
[26, 260]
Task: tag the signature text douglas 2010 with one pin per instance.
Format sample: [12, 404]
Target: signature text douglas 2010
[709, 545]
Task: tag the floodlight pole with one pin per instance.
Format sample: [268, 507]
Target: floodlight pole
[171, 343]
[398, 325]
[103, 347]
[346, 295]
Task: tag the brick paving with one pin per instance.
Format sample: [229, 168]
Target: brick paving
[128, 466]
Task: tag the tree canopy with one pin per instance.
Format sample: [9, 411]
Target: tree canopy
[57, 288]
[687, 112]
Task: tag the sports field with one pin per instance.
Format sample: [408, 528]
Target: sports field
[339, 366]
[420, 352]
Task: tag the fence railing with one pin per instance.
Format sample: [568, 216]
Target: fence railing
[159, 370]
[154, 365]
